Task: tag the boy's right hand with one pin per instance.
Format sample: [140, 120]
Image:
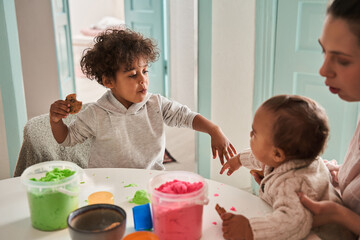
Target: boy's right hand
[232, 164]
[59, 110]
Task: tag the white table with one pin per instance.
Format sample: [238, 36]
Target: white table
[15, 216]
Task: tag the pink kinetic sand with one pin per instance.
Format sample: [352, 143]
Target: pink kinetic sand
[179, 187]
[180, 219]
[233, 209]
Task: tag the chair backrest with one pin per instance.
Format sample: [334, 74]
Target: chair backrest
[39, 145]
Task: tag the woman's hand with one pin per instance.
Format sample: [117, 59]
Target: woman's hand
[324, 211]
[331, 212]
[334, 171]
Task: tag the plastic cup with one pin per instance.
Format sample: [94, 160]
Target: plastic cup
[50, 203]
[178, 216]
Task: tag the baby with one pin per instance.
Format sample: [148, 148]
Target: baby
[126, 124]
[288, 135]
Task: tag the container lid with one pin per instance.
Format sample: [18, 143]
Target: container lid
[40, 169]
[169, 176]
[142, 217]
[141, 235]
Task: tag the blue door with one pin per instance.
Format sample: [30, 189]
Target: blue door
[64, 55]
[297, 59]
[149, 18]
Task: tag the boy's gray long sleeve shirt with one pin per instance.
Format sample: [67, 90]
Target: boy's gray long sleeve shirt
[128, 138]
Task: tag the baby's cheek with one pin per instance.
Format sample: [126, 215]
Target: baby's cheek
[252, 146]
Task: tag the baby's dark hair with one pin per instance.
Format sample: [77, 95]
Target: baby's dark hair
[114, 49]
[301, 126]
[348, 10]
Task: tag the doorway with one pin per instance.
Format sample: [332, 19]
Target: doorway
[182, 26]
[296, 26]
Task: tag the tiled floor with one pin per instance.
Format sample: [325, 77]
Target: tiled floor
[180, 142]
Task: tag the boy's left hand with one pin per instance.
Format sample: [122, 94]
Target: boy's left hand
[236, 227]
[221, 145]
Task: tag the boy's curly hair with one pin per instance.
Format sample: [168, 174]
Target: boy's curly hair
[114, 49]
[301, 126]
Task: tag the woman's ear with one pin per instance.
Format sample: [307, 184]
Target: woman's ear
[278, 155]
[107, 82]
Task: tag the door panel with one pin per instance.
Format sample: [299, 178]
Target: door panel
[147, 17]
[298, 59]
[60, 10]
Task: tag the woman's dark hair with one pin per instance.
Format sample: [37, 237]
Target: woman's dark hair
[348, 10]
[114, 49]
[301, 126]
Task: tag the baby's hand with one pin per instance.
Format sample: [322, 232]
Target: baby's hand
[232, 164]
[236, 227]
[258, 175]
[221, 145]
[58, 110]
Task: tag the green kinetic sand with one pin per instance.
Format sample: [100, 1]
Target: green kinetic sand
[141, 197]
[50, 208]
[55, 175]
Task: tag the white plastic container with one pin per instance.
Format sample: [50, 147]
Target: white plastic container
[50, 203]
[178, 216]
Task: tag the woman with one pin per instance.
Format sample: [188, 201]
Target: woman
[340, 41]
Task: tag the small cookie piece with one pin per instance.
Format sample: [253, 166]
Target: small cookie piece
[258, 172]
[220, 210]
[75, 106]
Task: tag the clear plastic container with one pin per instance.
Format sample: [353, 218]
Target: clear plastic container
[178, 216]
[50, 203]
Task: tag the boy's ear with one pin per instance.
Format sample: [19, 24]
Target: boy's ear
[278, 155]
[107, 82]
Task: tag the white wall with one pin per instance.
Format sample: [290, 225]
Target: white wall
[38, 56]
[233, 49]
[183, 52]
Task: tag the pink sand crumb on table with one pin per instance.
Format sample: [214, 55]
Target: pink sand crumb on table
[216, 195]
[179, 187]
[214, 223]
[233, 209]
